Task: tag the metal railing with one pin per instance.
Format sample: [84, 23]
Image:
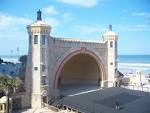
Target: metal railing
[139, 88]
[131, 86]
[76, 107]
[62, 102]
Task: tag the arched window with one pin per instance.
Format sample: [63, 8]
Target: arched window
[30, 39]
[43, 55]
[44, 81]
[1, 107]
[43, 40]
[35, 39]
[35, 68]
[43, 68]
[111, 44]
[115, 44]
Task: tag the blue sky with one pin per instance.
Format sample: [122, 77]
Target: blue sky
[81, 19]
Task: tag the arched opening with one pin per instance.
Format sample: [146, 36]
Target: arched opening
[79, 71]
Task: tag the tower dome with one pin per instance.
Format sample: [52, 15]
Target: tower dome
[110, 35]
[39, 21]
[39, 25]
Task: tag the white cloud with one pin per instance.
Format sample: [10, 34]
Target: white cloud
[67, 17]
[83, 3]
[144, 14]
[90, 32]
[99, 30]
[93, 32]
[50, 10]
[141, 26]
[89, 29]
[8, 21]
[52, 21]
[137, 27]
[13, 33]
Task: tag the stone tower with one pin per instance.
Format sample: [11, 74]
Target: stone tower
[36, 81]
[111, 38]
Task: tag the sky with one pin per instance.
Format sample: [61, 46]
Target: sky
[80, 19]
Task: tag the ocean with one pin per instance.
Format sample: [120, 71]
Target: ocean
[126, 63]
[132, 63]
[9, 58]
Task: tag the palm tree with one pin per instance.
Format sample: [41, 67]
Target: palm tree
[16, 83]
[9, 84]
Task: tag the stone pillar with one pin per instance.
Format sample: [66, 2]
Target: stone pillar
[36, 101]
[111, 83]
[102, 83]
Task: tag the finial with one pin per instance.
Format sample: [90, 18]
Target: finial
[39, 15]
[110, 27]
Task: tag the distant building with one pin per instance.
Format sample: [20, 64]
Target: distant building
[3, 105]
[55, 62]
[136, 79]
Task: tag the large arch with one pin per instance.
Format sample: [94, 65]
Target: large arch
[73, 53]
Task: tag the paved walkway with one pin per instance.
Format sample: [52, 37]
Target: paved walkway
[77, 89]
[103, 101]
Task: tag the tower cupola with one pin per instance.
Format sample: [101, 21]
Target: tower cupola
[110, 32]
[110, 27]
[110, 35]
[39, 26]
[39, 15]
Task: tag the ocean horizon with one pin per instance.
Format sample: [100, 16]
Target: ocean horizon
[133, 63]
[126, 63]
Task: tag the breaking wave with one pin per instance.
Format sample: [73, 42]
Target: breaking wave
[134, 66]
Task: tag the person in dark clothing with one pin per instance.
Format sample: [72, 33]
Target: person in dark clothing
[116, 84]
[117, 104]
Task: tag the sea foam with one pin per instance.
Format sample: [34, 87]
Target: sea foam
[134, 66]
